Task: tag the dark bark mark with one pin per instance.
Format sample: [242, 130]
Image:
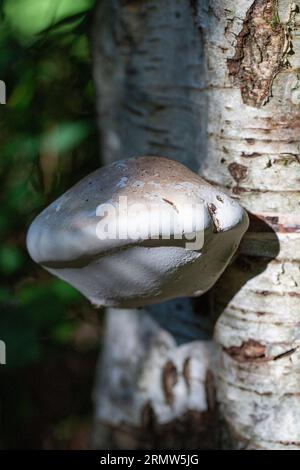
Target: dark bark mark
[169, 380]
[212, 212]
[186, 371]
[285, 354]
[264, 293]
[212, 208]
[293, 294]
[289, 443]
[259, 53]
[237, 190]
[171, 204]
[238, 171]
[210, 390]
[249, 351]
[148, 418]
[250, 155]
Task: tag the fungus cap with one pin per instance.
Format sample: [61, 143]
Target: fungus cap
[138, 231]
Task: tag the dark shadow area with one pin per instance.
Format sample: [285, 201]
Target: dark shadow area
[189, 319]
[47, 405]
[181, 320]
[258, 248]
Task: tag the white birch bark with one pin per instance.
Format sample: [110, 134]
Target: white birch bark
[155, 386]
[253, 147]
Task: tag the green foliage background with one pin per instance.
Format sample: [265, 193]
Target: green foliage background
[48, 141]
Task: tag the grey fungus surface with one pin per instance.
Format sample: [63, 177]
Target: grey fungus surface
[126, 272]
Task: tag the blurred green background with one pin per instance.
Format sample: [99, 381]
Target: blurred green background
[48, 141]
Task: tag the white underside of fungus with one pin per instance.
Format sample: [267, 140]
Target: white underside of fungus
[155, 265]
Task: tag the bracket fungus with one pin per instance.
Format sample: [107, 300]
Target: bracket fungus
[137, 232]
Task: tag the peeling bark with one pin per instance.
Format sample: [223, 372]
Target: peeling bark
[249, 351]
[259, 52]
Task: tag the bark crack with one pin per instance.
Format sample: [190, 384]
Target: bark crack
[169, 380]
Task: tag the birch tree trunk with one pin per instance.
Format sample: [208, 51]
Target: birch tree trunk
[252, 56]
[216, 85]
[155, 387]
